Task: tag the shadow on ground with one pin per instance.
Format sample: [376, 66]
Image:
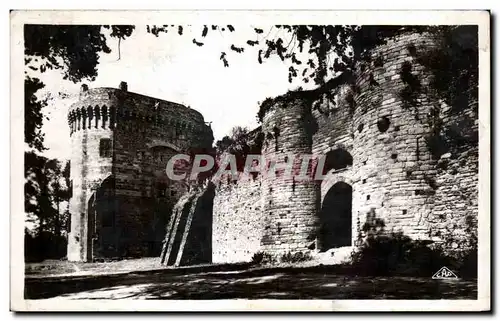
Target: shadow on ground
[240, 281]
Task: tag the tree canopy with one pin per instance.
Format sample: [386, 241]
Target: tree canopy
[72, 49]
[47, 186]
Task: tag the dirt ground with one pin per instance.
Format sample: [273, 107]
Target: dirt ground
[147, 279]
[65, 268]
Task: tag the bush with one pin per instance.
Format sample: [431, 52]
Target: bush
[263, 258]
[382, 253]
[296, 257]
[397, 254]
[461, 246]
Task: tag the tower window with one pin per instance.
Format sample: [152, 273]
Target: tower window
[105, 147]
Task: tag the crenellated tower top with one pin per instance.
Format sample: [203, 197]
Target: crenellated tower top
[109, 108]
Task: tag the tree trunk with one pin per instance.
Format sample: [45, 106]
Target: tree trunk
[57, 228]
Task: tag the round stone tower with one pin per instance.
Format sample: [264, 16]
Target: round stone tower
[91, 122]
[289, 204]
[394, 170]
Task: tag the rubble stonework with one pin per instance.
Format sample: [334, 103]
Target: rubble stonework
[378, 163]
[238, 221]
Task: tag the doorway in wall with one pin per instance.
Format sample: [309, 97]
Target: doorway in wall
[336, 217]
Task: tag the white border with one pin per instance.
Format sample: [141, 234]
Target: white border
[18, 18]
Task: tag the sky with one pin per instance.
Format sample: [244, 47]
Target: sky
[172, 68]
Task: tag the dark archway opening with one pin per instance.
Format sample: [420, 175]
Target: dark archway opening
[337, 159]
[101, 221]
[158, 206]
[189, 238]
[336, 218]
[162, 208]
[198, 248]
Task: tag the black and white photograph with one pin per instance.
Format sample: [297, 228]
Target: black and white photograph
[253, 161]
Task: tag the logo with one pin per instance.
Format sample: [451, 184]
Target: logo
[299, 167]
[444, 274]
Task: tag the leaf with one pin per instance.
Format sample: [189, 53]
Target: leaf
[311, 64]
[257, 30]
[205, 31]
[252, 42]
[295, 60]
[260, 56]
[280, 49]
[230, 27]
[223, 58]
[179, 30]
[301, 45]
[237, 49]
[199, 44]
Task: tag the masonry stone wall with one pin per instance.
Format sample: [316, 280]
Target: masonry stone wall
[238, 224]
[148, 134]
[455, 212]
[334, 121]
[395, 171]
[392, 164]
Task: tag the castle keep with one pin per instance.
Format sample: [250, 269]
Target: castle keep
[382, 162]
[122, 197]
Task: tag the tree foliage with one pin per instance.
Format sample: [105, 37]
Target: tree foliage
[330, 49]
[240, 142]
[235, 141]
[47, 185]
[33, 116]
[73, 49]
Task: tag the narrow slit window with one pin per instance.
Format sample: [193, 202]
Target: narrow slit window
[105, 147]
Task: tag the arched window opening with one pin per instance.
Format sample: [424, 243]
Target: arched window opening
[337, 159]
